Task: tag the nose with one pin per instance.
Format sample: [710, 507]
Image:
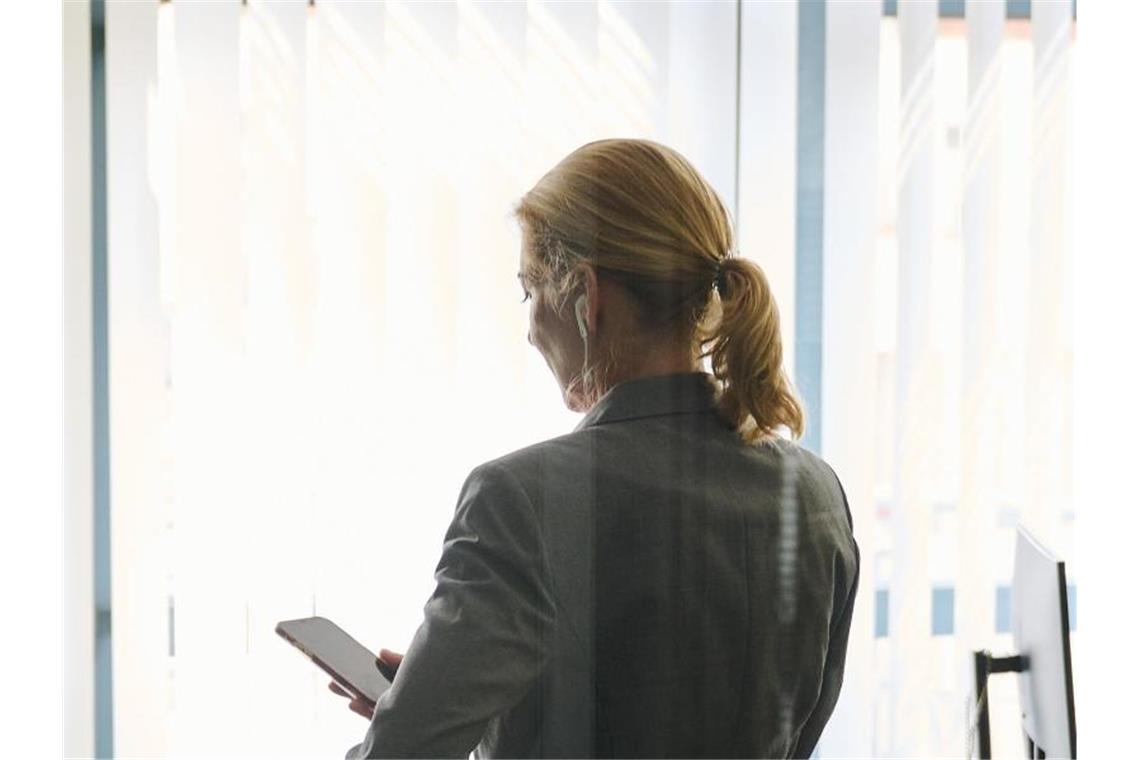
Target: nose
[529, 339]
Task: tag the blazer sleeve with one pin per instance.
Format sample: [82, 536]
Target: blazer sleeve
[847, 585]
[481, 644]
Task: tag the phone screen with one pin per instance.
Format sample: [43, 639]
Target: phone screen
[344, 658]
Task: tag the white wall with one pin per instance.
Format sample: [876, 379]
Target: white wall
[31, 387]
[78, 603]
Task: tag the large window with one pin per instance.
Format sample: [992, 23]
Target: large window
[972, 310]
[315, 334]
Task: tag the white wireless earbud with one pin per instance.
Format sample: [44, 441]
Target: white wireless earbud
[580, 313]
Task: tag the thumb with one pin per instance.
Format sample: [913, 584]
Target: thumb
[389, 657]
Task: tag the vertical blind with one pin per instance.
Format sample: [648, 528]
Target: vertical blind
[315, 334]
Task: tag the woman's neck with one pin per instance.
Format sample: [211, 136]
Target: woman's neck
[649, 359]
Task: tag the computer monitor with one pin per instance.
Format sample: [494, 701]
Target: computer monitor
[1040, 622]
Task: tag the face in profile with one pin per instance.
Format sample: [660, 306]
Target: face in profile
[553, 332]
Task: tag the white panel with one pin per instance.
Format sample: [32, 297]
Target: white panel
[912, 673]
[203, 271]
[137, 335]
[276, 368]
[849, 359]
[982, 302]
[982, 299]
[701, 92]
[767, 224]
[1050, 340]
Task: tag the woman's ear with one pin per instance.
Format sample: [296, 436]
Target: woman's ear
[591, 308]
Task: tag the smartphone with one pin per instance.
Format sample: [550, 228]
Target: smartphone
[345, 659]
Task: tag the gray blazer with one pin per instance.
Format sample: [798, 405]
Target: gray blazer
[648, 585]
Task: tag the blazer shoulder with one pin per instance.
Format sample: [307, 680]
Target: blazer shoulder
[807, 462]
[537, 456]
[815, 474]
[540, 466]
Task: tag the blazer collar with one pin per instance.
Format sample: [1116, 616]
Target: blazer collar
[683, 393]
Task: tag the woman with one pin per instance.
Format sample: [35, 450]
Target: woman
[672, 578]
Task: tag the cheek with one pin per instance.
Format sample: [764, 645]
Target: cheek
[539, 317]
[533, 333]
[544, 328]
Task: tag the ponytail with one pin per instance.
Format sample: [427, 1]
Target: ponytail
[747, 356]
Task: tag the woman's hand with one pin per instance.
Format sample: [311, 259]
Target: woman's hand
[387, 663]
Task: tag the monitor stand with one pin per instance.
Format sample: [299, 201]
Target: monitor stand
[984, 665]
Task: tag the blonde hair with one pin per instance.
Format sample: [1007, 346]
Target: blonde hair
[640, 213]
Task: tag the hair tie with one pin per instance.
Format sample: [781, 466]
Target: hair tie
[718, 279]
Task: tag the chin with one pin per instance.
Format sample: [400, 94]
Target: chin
[574, 401]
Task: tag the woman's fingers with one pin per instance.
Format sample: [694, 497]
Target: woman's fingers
[388, 657]
[362, 707]
[388, 663]
[358, 705]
